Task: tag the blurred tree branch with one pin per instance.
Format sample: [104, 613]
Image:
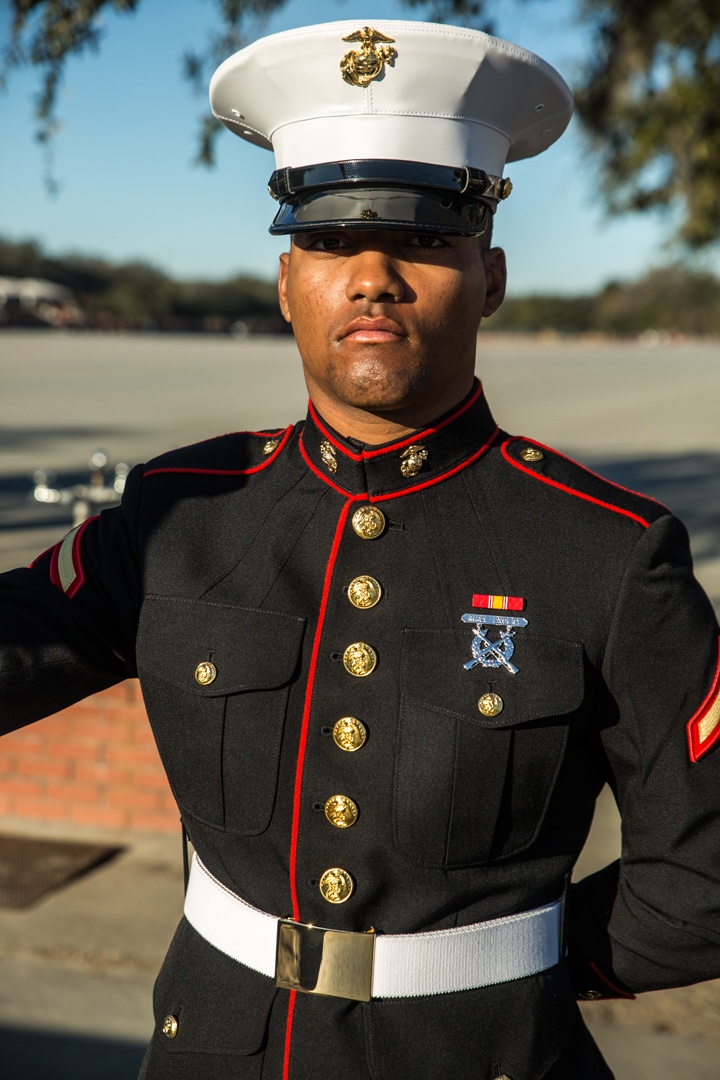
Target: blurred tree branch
[648, 99]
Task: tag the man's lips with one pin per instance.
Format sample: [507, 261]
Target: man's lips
[372, 330]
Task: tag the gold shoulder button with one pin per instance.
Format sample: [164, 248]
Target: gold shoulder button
[531, 453]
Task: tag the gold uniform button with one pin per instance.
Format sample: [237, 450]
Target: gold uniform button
[590, 995]
[205, 673]
[341, 811]
[336, 885]
[349, 733]
[364, 592]
[491, 704]
[170, 1027]
[359, 659]
[368, 522]
[270, 446]
[531, 453]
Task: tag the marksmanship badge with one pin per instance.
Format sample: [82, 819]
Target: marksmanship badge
[493, 653]
[360, 66]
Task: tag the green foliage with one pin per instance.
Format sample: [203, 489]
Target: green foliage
[650, 104]
[675, 299]
[135, 294]
[649, 96]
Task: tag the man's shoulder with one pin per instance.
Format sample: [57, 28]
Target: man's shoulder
[238, 453]
[575, 487]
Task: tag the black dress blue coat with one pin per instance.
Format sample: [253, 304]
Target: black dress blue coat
[239, 551]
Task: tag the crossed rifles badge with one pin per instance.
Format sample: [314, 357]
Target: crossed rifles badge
[497, 652]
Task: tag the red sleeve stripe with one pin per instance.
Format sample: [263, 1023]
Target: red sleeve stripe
[226, 472]
[703, 728]
[66, 568]
[572, 491]
[417, 437]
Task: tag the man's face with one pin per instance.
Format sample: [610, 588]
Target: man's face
[387, 320]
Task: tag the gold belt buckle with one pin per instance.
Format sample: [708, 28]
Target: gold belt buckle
[315, 960]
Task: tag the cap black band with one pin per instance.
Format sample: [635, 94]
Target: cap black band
[471, 183]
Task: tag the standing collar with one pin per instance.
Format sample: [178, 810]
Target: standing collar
[453, 441]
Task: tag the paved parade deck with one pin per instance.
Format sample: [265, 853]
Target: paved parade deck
[78, 968]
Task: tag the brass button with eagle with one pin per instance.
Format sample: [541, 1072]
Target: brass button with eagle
[359, 659]
[336, 886]
[531, 453]
[368, 522]
[170, 1027]
[349, 733]
[491, 704]
[205, 673]
[412, 460]
[341, 811]
[364, 592]
[271, 446]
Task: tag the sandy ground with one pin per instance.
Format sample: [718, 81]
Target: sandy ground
[78, 968]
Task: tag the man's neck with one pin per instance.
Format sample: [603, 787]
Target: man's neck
[376, 428]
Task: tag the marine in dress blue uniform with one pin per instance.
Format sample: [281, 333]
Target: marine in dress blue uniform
[388, 680]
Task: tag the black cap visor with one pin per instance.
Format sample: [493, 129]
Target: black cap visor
[383, 208]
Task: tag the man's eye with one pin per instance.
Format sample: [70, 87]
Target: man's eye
[427, 241]
[326, 243]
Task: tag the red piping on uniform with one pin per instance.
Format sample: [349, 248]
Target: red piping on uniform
[288, 1034]
[322, 476]
[303, 744]
[402, 491]
[615, 989]
[436, 479]
[79, 579]
[569, 490]
[696, 747]
[228, 472]
[590, 472]
[365, 454]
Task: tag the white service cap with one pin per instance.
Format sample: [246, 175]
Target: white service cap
[403, 111]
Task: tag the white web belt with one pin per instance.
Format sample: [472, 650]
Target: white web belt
[361, 966]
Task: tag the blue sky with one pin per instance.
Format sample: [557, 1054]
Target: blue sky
[129, 189]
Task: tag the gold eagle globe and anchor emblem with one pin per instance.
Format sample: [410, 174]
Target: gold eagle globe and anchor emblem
[360, 66]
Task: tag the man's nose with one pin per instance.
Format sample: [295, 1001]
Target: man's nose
[375, 276]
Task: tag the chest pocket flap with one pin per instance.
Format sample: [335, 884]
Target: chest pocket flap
[549, 679]
[471, 788]
[216, 680]
[250, 649]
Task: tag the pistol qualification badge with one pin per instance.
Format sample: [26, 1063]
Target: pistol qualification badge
[497, 651]
[360, 66]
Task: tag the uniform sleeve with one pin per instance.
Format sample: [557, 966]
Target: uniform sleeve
[653, 919]
[68, 623]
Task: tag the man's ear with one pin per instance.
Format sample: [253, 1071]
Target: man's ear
[282, 285]
[496, 278]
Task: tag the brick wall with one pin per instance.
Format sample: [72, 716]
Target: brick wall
[92, 764]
